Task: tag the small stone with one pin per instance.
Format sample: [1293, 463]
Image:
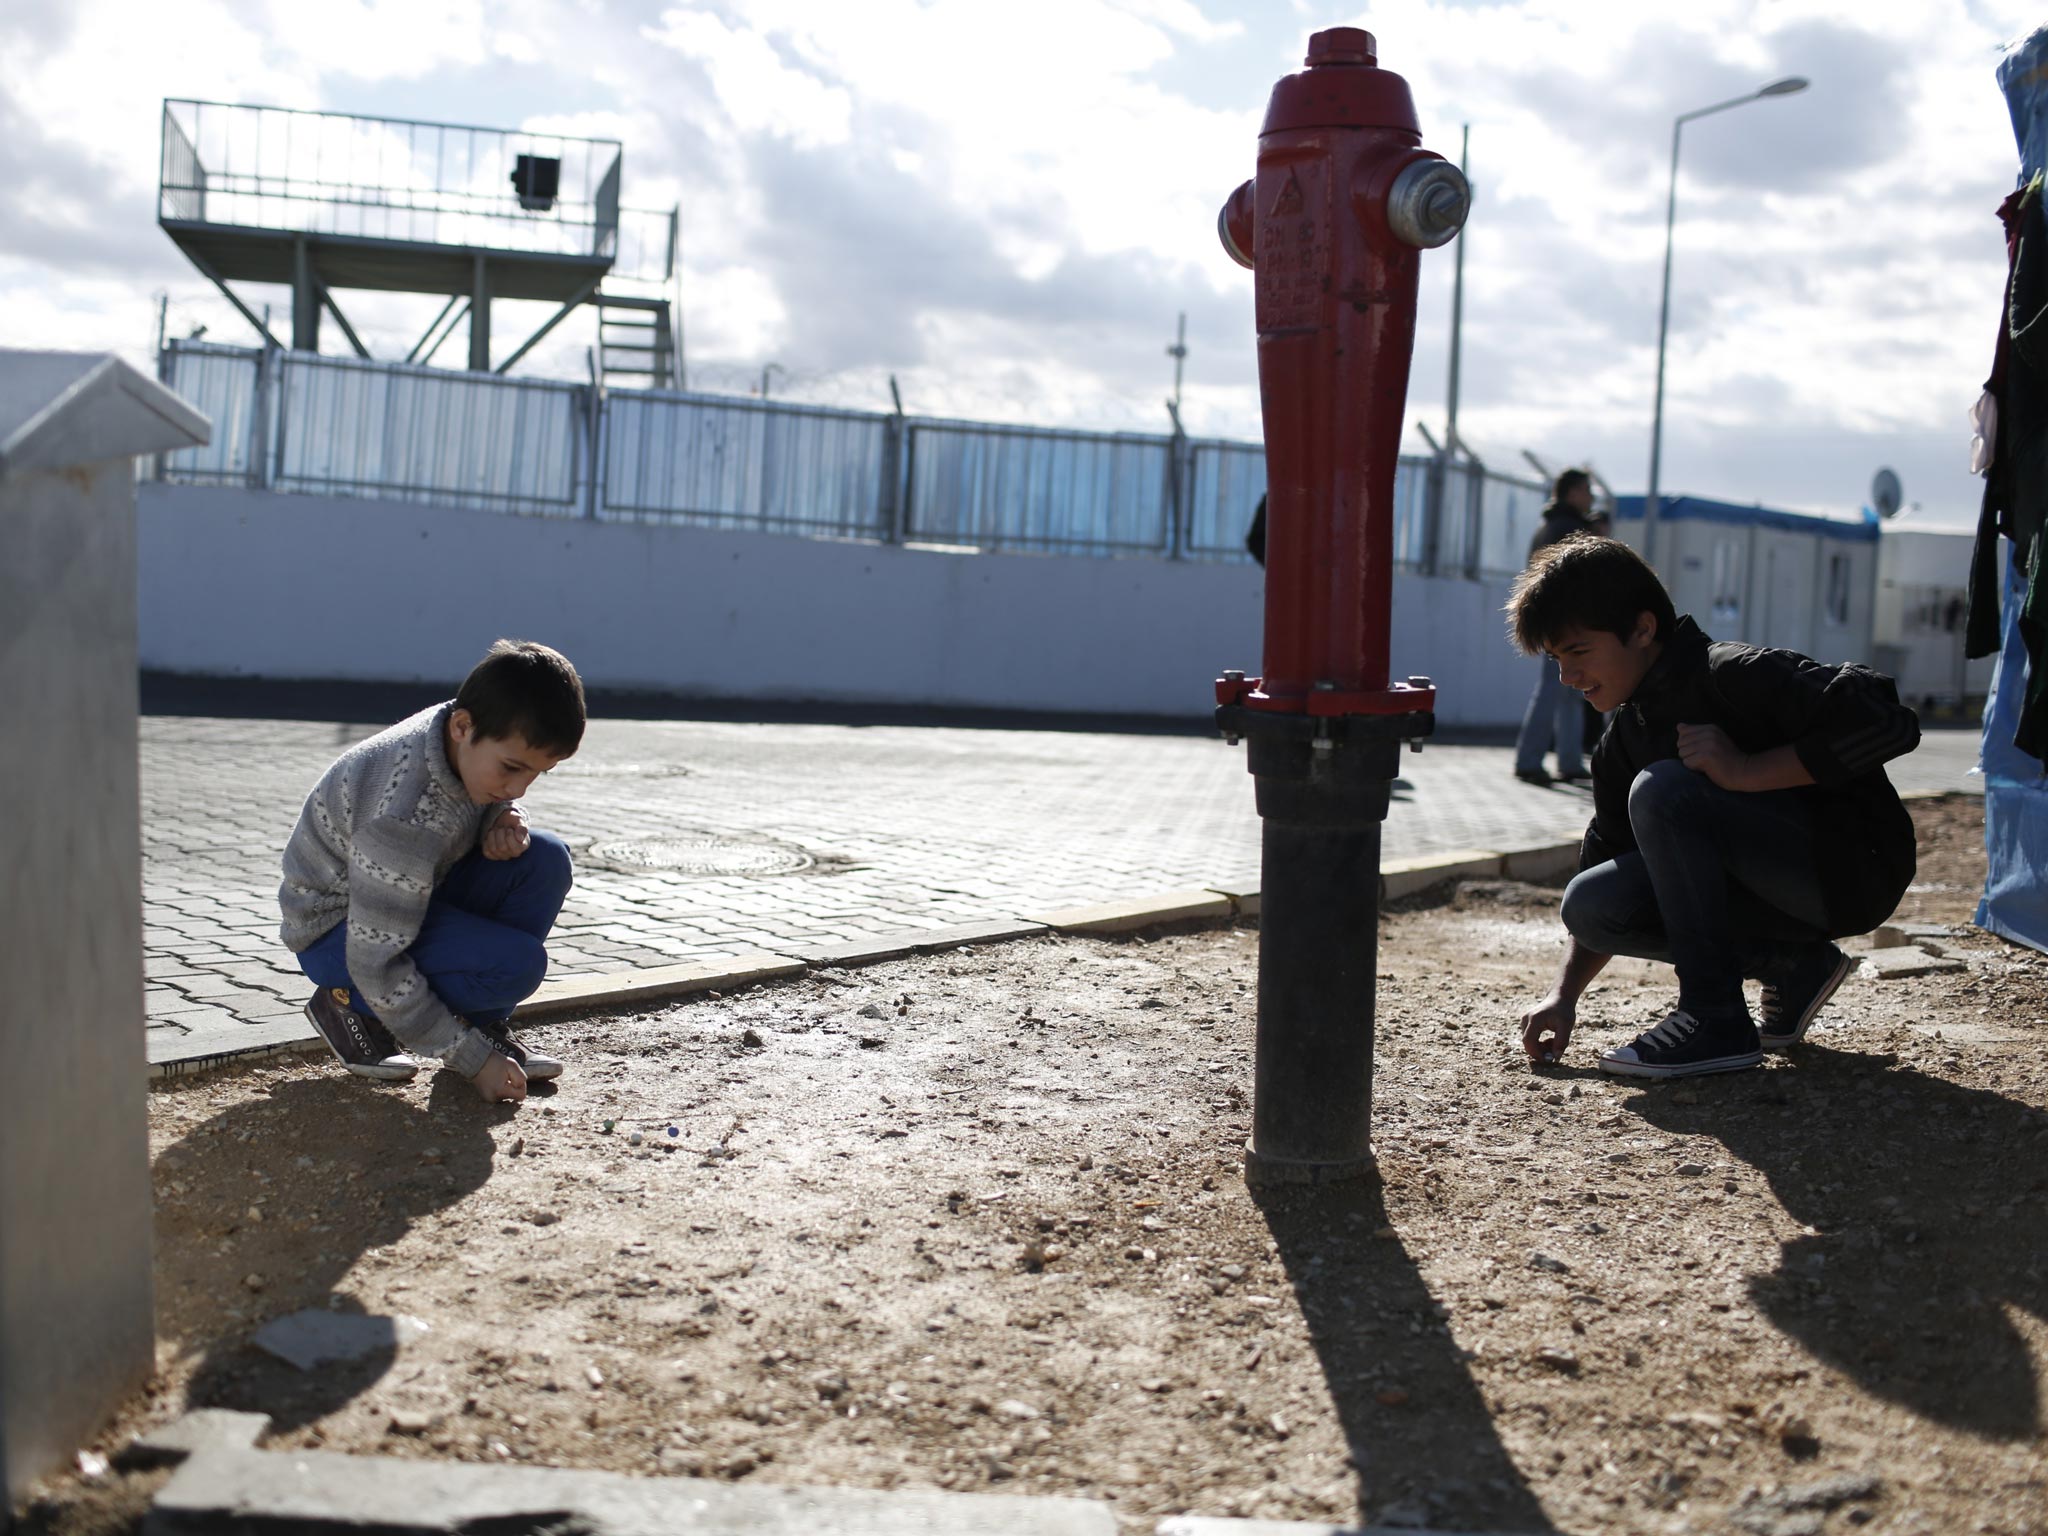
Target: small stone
[594, 1376]
[679, 1461]
[872, 1011]
[1086, 1162]
[1232, 1271]
[543, 1218]
[1691, 1170]
[752, 1037]
[741, 1464]
[635, 1139]
[1545, 1262]
[1016, 1408]
[1621, 1157]
[1155, 1384]
[254, 1282]
[91, 1466]
[405, 1421]
[871, 1042]
[1152, 1224]
[1149, 1255]
[518, 1145]
[1390, 1397]
[1280, 1429]
[1558, 1359]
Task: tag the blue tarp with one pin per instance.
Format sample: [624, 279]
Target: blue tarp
[1679, 509]
[2015, 900]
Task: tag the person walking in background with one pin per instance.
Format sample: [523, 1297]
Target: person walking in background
[1555, 717]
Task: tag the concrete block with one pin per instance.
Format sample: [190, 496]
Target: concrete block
[1138, 912]
[1892, 964]
[932, 941]
[202, 1429]
[1243, 893]
[258, 1493]
[651, 984]
[1540, 862]
[1404, 877]
[858, 952]
[314, 1337]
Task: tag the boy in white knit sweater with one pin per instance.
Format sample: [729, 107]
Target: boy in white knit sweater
[416, 896]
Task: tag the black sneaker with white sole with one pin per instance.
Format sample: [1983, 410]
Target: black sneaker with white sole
[1791, 1001]
[1685, 1046]
[538, 1066]
[362, 1044]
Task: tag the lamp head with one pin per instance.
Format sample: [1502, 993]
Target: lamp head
[1790, 85]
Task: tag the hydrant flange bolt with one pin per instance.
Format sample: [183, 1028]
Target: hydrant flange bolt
[1427, 205]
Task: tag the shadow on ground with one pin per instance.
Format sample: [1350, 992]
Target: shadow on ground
[337, 1167]
[1929, 1208]
[1422, 1442]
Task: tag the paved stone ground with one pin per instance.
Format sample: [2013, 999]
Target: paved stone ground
[781, 834]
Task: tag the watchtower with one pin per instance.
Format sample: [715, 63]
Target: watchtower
[322, 201]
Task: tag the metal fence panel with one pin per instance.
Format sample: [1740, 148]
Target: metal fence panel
[1037, 488]
[223, 383]
[357, 428]
[1225, 482]
[350, 428]
[732, 463]
[1510, 510]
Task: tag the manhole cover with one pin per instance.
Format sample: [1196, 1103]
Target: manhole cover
[704, 853]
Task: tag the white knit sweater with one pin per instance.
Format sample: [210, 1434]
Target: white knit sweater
[378, 833]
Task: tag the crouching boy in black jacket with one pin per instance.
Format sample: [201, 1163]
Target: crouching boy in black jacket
[1742, 817]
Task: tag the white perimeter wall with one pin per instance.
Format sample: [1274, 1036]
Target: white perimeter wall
[239, 583]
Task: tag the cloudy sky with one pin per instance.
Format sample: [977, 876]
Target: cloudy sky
[1006, 206]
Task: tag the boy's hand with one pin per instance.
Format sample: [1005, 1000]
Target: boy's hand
[500, 1080]
[1547, 1029]
[1706, 749]
[507, 838]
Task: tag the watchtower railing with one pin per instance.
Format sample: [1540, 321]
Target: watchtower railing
[383, 178]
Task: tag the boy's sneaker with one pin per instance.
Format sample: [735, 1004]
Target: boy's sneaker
[1684, 1046]
[538, 1066]
[363, 1045]
[1790, 1004]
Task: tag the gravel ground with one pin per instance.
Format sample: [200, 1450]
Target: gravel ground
[976, 1221]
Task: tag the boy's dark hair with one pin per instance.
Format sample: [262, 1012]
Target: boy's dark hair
[1585, 582]
[1567, 482]
[526, 689]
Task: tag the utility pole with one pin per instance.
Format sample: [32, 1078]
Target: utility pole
[1179, 353]
[771, 368]
[1457, 304]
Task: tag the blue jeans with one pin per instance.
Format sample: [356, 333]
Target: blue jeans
[1722, 885]
[480, 948]
[1554, 718]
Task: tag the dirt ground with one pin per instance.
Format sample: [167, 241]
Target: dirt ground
[977, 1221]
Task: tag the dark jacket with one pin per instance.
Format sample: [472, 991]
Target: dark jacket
[1559, 522]
[1844, 722]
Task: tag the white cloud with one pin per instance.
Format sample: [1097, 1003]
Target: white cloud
[758, 90]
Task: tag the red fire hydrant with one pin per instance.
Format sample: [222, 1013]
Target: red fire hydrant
[1333, 225]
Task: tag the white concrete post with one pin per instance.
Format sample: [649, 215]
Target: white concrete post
[77, 1331]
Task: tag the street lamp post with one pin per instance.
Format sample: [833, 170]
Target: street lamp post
[1785, 87]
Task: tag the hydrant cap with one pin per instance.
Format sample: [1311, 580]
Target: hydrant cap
[1342, 45]
[1343, 87]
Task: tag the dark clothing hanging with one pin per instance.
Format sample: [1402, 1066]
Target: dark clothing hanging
[2016, 486]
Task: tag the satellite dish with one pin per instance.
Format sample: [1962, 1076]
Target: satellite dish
[1885, 493]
